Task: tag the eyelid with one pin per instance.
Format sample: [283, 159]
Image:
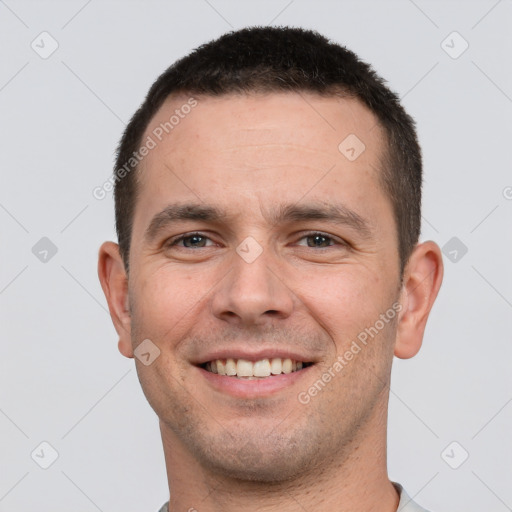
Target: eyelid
[335, 239]
[172, 242]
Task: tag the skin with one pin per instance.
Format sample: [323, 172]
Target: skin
[246, 155]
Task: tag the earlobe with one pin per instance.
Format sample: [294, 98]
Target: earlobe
[114, 283]
[422, 280]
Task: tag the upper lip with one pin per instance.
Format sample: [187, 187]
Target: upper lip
[253, 355]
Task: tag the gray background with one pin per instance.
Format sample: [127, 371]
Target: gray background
[62, 379]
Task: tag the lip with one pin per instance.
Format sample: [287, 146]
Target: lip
[256, 388]
[253, 356]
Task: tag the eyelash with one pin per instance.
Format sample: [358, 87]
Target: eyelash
[174, 241]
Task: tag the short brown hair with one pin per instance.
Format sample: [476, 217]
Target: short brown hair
[280, 59]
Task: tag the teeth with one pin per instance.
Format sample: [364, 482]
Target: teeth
[261, 368]
[230, 367]
[221, 367]
[276, 366]
[243, 368]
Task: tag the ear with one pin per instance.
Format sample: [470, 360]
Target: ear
[423, 276]
[114, 282]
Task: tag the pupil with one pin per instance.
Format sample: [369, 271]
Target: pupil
[318, 240]
[193, 240]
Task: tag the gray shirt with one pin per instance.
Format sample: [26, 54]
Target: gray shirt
[406, 504]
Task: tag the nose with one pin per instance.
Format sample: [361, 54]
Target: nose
[252, 293]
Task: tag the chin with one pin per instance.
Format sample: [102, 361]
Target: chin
[266, 470]
[270, 459]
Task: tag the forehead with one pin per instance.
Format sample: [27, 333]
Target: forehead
[309, 120]
[266, 146]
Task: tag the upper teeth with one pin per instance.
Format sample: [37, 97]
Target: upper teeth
[261, 368]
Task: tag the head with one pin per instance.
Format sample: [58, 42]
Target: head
[295, 174]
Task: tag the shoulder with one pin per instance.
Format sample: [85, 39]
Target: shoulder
[164, 507]
[406, 503]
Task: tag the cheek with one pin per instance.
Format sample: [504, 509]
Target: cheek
[342, 300]
[166, 301]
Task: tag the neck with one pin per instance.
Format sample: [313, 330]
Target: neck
[354, 482]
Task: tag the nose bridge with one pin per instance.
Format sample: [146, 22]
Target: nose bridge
[252, 290]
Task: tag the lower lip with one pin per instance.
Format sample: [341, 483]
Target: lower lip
[255, 388]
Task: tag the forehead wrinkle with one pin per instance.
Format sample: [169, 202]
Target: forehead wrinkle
[277, 155]
[280, 147]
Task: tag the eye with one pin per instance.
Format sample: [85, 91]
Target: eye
[190, 241]
[199, 240]
[320, 240]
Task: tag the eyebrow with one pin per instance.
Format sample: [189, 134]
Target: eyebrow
[285, 213]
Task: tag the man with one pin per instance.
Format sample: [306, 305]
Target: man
[268, 198]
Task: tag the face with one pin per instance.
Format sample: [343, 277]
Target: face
[257, 240]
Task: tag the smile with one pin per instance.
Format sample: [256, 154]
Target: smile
[244, 369]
